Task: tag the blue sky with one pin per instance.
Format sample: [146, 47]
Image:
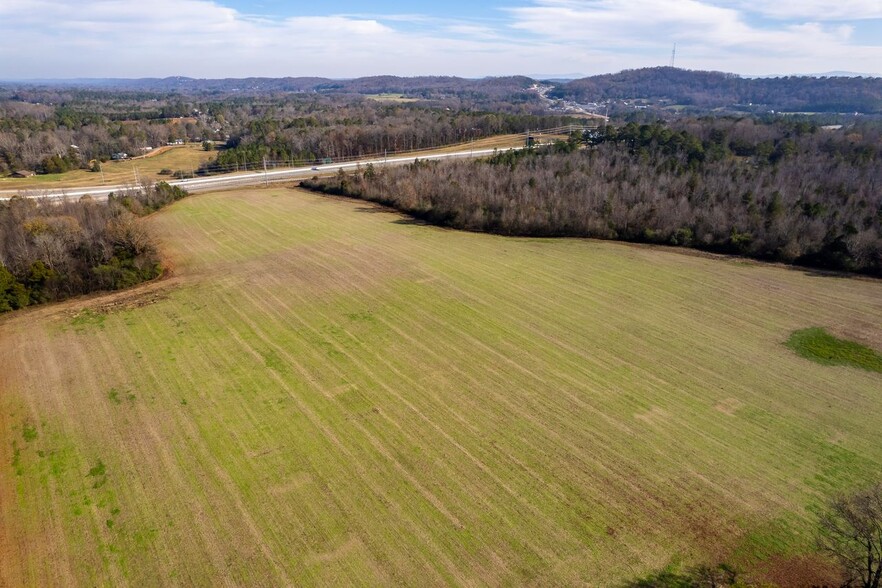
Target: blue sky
[346, 38]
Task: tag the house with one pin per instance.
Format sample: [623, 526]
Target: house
[23, 173]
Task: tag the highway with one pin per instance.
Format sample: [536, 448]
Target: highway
[207, 183]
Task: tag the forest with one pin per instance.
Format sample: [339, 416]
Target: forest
[786, 191]
[53, 130]
[53, 250]
[363, 130]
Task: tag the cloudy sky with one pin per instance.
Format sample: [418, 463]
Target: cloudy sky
[472, 38]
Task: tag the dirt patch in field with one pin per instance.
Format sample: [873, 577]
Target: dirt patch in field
[153, 153]
[127, 300]
[728, 406]
[654, 416]
[295, 482]
[347, 547]
[799, 571]
[99, 303]
[714, 535]
[863, 332]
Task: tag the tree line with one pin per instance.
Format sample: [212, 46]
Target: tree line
[54, 250]
[781, 192]
[361, 130]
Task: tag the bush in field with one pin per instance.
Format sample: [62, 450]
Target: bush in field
[13, 294]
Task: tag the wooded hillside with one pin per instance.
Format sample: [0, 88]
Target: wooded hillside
[707, 89]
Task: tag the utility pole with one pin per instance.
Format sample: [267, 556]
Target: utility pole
[265, 178]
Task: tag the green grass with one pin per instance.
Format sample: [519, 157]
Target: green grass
[29, 432]
[329, 396]
[819, 346]
[81, 321]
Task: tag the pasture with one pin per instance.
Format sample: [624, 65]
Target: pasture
[184, 157]
[390, 97]
[327, 393]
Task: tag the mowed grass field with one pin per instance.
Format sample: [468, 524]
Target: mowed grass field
[185, 157]
[329, 394]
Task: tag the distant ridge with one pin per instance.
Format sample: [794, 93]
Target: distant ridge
[372, 84]
[827, 74]
[709, 89]
[698, 89]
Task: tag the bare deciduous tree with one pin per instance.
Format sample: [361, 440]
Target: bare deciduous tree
[851, 532]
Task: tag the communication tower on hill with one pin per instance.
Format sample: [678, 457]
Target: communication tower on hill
[673, 55]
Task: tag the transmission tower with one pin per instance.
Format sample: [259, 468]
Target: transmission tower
[673, 55]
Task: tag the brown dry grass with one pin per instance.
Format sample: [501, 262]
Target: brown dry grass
[184, 157]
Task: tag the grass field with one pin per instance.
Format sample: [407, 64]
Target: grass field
[390, 97]
[184, 157]
[329, 394]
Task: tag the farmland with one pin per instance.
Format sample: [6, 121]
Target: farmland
[324, 393]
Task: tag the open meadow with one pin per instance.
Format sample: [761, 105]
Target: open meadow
[327, 393]
[146, 168]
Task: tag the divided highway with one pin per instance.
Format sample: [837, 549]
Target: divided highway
[243, 179]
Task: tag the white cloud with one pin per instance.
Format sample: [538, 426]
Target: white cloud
[819, 10]
[709, 35]
[201, 38]
[647, 23]
[191, 37]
